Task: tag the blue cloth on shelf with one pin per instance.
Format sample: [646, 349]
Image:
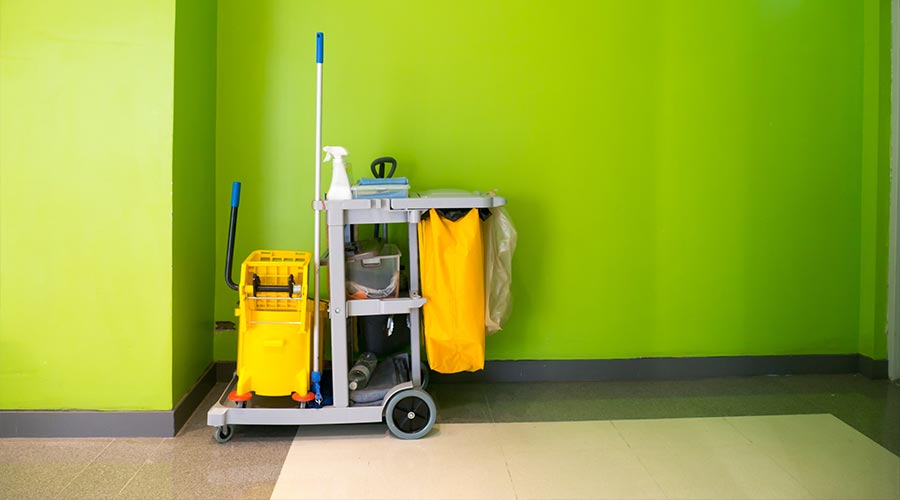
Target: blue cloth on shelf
[368, 181]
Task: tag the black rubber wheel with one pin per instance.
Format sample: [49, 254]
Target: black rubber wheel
[224, 433]
[410, 414]
[240, 404]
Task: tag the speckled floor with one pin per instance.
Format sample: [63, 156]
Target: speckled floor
[193, 465]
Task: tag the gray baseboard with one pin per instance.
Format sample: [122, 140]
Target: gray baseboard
[79, 423]
[225, 370]
[185, 408]
[76, 423]
[875, 369]
[651, 368]
[660, 368]
[85, 423]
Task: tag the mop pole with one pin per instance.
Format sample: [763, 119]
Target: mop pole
[316, 371]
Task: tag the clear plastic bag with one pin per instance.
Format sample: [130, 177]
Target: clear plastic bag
[499, 247]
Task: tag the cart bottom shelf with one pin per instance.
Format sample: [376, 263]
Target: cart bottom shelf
[409, 412]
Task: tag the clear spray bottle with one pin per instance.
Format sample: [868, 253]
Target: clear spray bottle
[340, 183]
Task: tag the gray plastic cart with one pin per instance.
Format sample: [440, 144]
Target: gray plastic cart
[408, 410]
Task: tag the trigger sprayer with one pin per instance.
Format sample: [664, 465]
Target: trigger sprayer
[340, 183]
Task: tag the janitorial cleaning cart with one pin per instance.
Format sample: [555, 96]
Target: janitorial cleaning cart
[281, 378]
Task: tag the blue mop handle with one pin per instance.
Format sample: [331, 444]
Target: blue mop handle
[316, 375]
[235, 193]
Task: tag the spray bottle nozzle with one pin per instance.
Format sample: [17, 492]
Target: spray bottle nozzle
[334, 152]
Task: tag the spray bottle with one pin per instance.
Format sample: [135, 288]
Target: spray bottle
[340, 183]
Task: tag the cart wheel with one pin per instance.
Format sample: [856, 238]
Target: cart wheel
[224, 433]
[410, 414]
[240, 404]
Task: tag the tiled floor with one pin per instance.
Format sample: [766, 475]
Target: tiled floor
[193, 465]
[759, 457]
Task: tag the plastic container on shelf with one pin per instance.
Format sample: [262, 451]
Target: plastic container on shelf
[375, 277]
[385, 190]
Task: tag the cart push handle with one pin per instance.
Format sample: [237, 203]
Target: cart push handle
[291, 288]
[232, 228]
[235, 194]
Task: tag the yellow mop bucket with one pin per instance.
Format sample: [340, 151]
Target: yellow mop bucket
[274, 328]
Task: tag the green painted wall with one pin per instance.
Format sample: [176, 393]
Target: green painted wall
[85, 204]
[193, 167]
[685, 181]
[876, 168]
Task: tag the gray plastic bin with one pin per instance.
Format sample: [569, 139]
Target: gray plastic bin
[375, 277]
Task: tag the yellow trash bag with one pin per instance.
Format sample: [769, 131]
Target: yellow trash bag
[452, 269]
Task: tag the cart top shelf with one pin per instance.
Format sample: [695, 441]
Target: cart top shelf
[422, 201]
[448, 200]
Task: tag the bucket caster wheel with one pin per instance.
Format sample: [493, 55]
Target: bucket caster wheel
[224, 433]
[239, 400]
[410, 414]
[303, 400]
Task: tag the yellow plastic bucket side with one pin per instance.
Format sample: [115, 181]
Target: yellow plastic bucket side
[274, 330]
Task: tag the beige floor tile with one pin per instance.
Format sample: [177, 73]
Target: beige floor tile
[790, 430]
[548, 437]
[340, 441]
[679, 432]
[461, 477]
[586, 474]
[460, 461]
[303, 477]
[673, 458]
[454, 461]
[841, 469]
[720, 473]
[452, 438]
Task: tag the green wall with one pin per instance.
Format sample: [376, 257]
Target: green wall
[876, 168]
[85, 204]
[194, 172]
[107, 128]
[703, 181]
[686, 181]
